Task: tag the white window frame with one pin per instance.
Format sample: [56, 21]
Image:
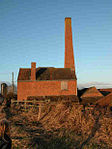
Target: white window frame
[64, 85]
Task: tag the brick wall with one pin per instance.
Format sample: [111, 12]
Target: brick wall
[69, 54]
[44, 88]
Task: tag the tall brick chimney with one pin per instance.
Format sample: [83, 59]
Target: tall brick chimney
[69, 54]
[33, 71]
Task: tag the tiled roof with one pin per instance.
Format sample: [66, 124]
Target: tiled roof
[47, 73]
[24, 74]
[106, 91]
[91, 92]
[105, 101]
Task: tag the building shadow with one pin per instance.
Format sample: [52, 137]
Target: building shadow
[95, 128]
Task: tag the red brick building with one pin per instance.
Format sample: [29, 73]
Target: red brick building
[49, 81]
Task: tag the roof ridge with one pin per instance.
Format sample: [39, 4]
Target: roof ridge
[25, 68]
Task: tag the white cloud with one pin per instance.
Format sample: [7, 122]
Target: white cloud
[96, 84]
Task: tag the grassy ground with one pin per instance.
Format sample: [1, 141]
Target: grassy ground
[61, 126]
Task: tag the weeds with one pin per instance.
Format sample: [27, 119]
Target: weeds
[61, 126]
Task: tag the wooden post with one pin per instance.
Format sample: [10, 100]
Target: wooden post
[25, 105]
[34, 104]
[39, 112]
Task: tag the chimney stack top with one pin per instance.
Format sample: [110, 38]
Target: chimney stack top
[68, 18]
[33, 71]
[33, 64]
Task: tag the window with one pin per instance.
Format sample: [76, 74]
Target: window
[64, 85]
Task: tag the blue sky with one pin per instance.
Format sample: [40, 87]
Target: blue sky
[33, 30]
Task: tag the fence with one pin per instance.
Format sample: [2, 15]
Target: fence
[26, 104]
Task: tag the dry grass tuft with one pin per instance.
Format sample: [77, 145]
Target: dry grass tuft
[62, 125]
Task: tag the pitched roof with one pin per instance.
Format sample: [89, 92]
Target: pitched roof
[47, 73]
[105, 91]
[105, 101]
[91, 92]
